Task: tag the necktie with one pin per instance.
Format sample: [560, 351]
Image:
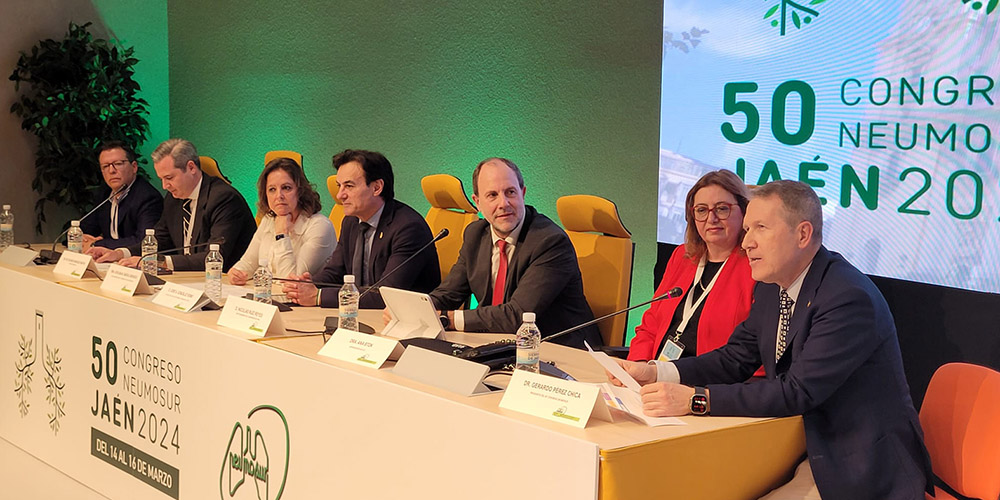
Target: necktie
[359, 260]
[784, 317]
[187, 224]
[501, 281]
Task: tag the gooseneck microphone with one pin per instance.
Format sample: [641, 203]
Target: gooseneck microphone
[441, 234]
[220, 240]
[52, 256]
[669, 294]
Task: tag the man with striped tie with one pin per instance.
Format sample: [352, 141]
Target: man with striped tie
[198, 209]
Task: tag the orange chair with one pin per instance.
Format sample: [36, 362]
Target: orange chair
[270, 155]
[450, 208]
[337, 212]
[960, 416]
[211, 167]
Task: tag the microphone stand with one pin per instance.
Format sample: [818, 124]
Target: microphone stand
[52, 256]
[670, 294]
[441, 234]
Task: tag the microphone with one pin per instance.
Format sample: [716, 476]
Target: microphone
[441, 234]
[669, 294]
[52, 256]
[220, 240]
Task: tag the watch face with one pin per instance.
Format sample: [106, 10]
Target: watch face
[699, 404]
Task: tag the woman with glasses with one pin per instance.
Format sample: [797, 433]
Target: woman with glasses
[712, 270]
[293, 236]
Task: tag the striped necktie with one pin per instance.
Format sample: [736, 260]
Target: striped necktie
[187, 224]
[784, 318]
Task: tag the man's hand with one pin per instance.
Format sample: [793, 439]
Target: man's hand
[663, 399]
[304, 294]
[643, 373]
[88, 242]
[132, 261]
[102, 254]
[237, 277]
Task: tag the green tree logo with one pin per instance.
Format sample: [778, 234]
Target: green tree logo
[800, 14]
[991, 5]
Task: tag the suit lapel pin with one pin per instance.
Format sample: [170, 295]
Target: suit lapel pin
[809, 303]
[380, 233]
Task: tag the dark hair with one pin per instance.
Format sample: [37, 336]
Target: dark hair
[510, 164]
[374, 165]
[694, 246]
[109, 145]
[800, 201]
[308, 203]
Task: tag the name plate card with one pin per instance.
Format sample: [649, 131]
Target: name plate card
[17, 256]
[180, 298]
[125, 281]
[361, 349]
[256, 319]
[75, 265]
[558, 400]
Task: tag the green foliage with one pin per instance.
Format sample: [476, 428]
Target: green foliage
[79, 92]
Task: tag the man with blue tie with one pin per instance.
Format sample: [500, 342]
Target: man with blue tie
[827, 341]
[133, 204]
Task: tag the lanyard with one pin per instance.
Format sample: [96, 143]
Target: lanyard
[690, 305]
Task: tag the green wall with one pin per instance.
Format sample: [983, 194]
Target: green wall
[568, 90]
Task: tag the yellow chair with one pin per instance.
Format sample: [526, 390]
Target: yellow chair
[450, 208]
[270, 155]
[211, 167]
[337, 212]
[605, 259]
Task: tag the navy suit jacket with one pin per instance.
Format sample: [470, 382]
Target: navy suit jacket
[137, 212]
[221, 212]
[401, 231]
[543, 277]
[841, 371]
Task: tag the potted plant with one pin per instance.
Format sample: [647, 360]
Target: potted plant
[78, 92]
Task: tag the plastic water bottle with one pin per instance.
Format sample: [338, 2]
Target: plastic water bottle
[6, 228]
[262, 280]
[213, 273]
[348, 304]
[74, 238]
[528, 339]
[149, 247]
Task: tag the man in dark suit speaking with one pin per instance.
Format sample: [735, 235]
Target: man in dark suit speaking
[134, 204]
[378, 235]
[828, 344]
[198, 209]
[515, 261]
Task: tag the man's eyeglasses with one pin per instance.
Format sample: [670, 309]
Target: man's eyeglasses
[116, 164]
[722, 211]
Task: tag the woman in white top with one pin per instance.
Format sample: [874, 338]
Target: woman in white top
[293, 236]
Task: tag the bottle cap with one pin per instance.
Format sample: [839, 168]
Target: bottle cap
[150, 232]
[214, 247]
[75, 223]
[348, 278]
[6, 207]
[528, 317]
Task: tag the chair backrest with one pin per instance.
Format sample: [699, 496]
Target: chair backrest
[211, 167]
[960, 416]
[337, 212]
[450, 208]
[270, 155]
[604, 250]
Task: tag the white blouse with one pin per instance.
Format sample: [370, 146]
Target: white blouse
[306, 247]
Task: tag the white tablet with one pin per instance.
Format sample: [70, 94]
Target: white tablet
[413, 314]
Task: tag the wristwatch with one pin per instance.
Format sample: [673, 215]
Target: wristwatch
[699, 402]
[278, 237]
[445, 322]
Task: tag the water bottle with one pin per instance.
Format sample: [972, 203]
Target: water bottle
[348, 304]
[148, 250]
[528, 339]
[74, 238]
[262, 280]
[213, 273]
[6, 228]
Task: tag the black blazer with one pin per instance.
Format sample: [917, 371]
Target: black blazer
[543, 277]
[137, 212]
[841, 371]
[401, 231]
[221, 212]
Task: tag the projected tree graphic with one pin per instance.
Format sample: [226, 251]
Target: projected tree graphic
[991, 5]
[800, 14]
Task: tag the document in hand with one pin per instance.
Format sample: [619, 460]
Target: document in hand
[626, 399]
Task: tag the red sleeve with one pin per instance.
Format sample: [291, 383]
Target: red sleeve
[656, 319]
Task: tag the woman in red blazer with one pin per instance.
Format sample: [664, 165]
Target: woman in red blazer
[710, 259]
